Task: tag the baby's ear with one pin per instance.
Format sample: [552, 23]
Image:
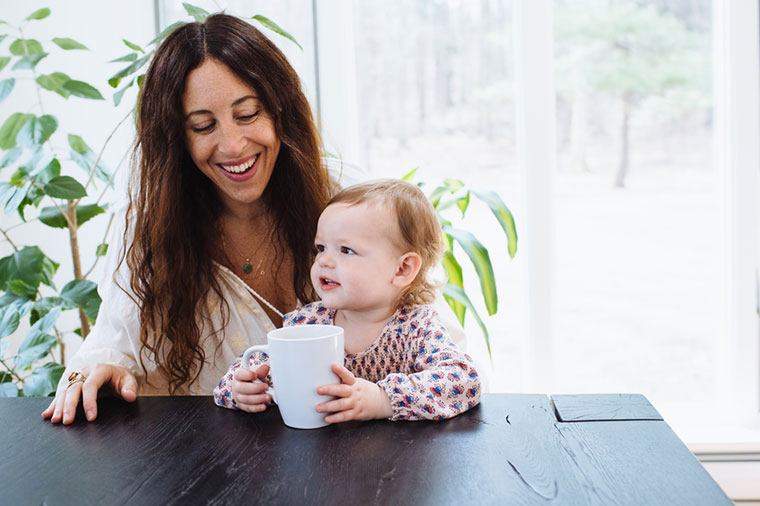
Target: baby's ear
[408, 267]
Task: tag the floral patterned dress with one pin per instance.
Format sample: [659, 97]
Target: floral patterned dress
[426, 376]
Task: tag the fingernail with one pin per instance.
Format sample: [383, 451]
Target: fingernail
[90, 415]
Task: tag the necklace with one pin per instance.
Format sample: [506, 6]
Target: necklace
[247, 266]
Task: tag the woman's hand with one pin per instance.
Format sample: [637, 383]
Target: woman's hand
[64, 406]
[249, 389]
[358, 399]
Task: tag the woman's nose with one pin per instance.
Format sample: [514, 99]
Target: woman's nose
[231, 140]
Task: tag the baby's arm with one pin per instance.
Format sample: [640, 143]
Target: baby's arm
[445, 385]
[223, 391]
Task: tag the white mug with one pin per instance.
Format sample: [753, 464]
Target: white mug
[299, 359]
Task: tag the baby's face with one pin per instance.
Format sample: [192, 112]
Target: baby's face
[356, 258]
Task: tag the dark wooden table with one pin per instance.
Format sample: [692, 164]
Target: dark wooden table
[512, 449]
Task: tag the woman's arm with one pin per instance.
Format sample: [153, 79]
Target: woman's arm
[107, 355]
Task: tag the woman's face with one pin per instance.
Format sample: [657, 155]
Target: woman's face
[231, 138]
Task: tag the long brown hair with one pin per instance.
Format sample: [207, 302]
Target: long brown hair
[175, 208]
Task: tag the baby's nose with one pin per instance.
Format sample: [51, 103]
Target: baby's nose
[325, 259]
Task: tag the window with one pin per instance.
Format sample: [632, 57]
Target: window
[641, 275]
[435, 91]
[637, 291]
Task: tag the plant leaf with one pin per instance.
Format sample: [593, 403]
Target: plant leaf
[65, 187]
[82, 89]
[453, 185]
[44, 380]
[458, 294]
[409, 176]
[4, 60]
[10, 129]
[102, 249]
[29, 265]
[127, 57]
[34, 348]
[52, 217]
[454, 277]
[49, 172]
[38, 342]
[268, 23]
[435, 197]
[11, 197]
[167, 31]
[69, 44]
[10, 157]
[39, 14]
[19, 177]
[54, 82]
[26, 47]
[132, 46]
[481, 261]
[463, 203]
[86, 162]
[21, 304]
[46, 304]
[197, 13]
[115, 79]
[28, 62]
[6, 86]
[9, 320]
[119, 94]
[504, 216]
[78, 145]
[83, 293]
[37, 131]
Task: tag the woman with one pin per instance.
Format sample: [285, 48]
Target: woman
[220, 222]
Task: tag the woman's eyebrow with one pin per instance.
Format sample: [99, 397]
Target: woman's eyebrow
[236, 102]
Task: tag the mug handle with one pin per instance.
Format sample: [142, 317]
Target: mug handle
[247, 358]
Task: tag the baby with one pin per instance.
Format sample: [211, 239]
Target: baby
[375, 244]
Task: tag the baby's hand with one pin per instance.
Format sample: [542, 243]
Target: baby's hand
[249, 389]
[358, 399]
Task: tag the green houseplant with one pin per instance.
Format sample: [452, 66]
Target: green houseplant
[65, 189]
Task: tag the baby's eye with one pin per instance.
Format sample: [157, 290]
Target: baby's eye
[319, 248]
[347, 251]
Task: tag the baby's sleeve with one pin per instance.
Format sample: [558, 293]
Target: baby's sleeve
[223, 391]
[444, 385]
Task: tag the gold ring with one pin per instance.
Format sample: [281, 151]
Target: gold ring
[76, 377]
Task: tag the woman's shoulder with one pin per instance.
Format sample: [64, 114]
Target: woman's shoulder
[309, 314]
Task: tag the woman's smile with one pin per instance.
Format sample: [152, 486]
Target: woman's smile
[240, 171]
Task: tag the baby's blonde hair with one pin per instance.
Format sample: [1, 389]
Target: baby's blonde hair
[417, 222]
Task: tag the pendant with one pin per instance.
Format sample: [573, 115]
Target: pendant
[247, 267]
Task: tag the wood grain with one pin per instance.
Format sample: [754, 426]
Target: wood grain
[603, 407]
[511, 449]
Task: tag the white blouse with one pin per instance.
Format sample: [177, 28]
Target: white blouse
[115, 337]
